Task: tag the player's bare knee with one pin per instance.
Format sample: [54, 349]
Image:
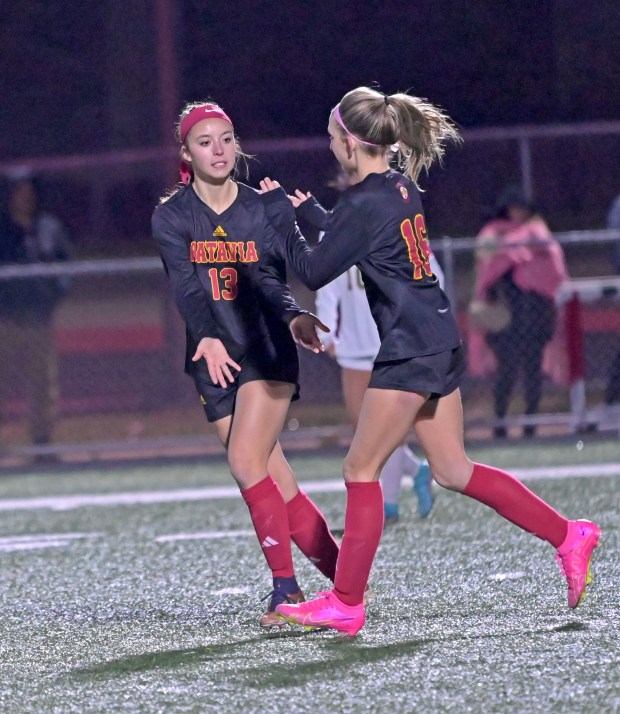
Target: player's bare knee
[454, 478]
[246, 471]
[354, 472]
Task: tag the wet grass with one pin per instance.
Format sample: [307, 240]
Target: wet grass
[468, 615]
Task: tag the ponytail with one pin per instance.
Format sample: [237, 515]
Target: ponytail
[424, 130]
[412, 128]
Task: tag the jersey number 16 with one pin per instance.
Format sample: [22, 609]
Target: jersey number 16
[415, 236]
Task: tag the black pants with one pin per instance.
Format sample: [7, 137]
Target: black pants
[519, 348]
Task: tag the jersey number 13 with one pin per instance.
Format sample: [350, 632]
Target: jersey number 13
[228, 276]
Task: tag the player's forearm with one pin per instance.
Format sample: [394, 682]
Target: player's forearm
[194, 311]
[315, 266]
[279, 299]
[312, 211]
[313, 272]
[191, 299]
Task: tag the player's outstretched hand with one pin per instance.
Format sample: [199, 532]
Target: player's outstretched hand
[218, 360]
[303, 328]
[299, 197]
[268, 184]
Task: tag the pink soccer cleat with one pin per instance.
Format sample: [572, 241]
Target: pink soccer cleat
[327, 611]
[574, 556]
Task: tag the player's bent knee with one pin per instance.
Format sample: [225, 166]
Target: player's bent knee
[454, 479]
[354, 473]
[246, 472]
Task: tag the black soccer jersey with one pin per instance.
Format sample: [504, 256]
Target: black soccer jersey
[378, 225]
[227, 272]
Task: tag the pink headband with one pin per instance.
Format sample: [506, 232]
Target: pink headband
[338, 118]
[205, 111]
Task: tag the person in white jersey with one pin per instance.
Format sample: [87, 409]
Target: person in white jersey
[354, 343]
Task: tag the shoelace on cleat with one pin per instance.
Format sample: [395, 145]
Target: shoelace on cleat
[277, 598]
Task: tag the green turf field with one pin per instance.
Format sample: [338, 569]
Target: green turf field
[153, 606]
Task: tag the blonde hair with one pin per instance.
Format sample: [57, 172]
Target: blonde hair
[412, 128]
[241, 158]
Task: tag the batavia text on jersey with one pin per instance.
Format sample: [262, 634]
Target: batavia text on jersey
[219, 251]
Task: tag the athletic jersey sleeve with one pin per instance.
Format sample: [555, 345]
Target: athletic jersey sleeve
[274, 291]
[189, 294]
[312, 211]
[345, 240]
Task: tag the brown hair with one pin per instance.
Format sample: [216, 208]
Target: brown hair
[413, 128]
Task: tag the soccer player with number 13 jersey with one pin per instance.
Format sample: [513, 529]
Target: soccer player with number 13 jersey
[228, 277]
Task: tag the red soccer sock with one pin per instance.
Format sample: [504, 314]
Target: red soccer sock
[268, 514]
[309, 532]
[363, 526]
[516, 503]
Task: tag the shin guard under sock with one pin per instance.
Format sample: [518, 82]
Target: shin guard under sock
[516, 503]
[363, 526]
[268, 513]
[309, 532]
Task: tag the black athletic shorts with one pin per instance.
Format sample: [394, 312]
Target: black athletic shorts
[438, 374]
[262, 362]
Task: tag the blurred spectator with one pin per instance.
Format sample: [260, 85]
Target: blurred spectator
[612, 392]
[519, 268]
[29, 235]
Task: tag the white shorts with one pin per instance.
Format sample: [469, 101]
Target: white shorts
[363, 364]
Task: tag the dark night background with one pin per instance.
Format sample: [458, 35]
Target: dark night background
[82, 77]
[91, 89]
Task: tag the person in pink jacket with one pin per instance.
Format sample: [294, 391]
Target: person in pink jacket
[519, 262]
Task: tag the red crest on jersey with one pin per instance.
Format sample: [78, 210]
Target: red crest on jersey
[403, 191]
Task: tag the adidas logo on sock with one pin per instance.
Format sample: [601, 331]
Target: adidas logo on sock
[219, 232]
[268, 542]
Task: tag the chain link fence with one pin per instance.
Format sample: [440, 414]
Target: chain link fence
[102, 374]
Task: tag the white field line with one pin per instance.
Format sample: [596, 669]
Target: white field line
[206, 535]
[133, 498]
[34, 545]
[555, 472]
[35, 537]
[10, 544]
